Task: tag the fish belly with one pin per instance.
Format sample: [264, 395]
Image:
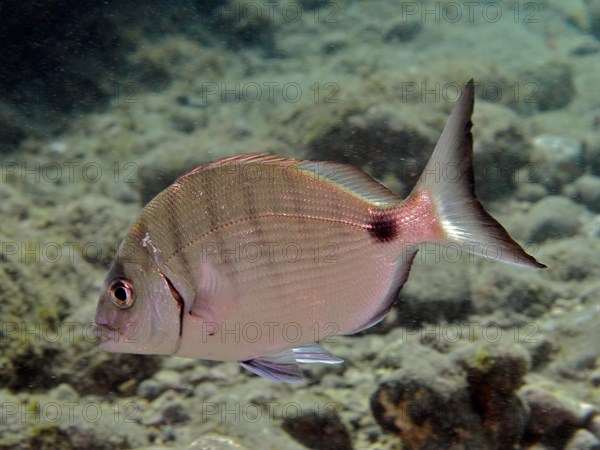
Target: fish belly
[300, 280]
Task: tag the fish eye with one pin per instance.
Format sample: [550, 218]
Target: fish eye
[121, 293]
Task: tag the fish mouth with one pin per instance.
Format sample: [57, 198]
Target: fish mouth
[105, 333]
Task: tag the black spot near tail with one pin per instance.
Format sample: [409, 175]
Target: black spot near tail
[383, 227]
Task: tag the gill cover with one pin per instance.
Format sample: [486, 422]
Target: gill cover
[138, 311]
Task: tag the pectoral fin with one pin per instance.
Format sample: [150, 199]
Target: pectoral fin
[283, 366]
[216, 296]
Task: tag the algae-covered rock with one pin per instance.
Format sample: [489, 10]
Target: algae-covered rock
[466, 402]
[494, 374]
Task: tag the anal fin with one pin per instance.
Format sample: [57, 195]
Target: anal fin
[284, 366]
[400, 277]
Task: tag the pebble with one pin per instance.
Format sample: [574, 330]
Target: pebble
[594, 17]
[531, 192]
[175, 413]
[150, 389]
[586, 190]
[169, 434]
[553, 217]
[216, 442]
[575, 258]
[595, 426]
[557, 160]
[169, 378]
[64, 392]
[403, 31]
[554, 81]
[583, 440]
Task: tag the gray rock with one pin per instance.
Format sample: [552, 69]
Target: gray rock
[64, 392]
[583, 440]
[150, 389]
[168, 408]
[586, 48]
[242, 30]
[404, 31]
[542, 348]
[87, 424]
[215, 442]
[97, 224]
[499, 287]
[556, 160]
[531, 192]
[595, 426]
[170, 378]
[334, 43]
[594, 15]
[175, 413]
[169, 434]
[586, 190]
[572, 259]
[554, 86]
[436, 289]
[553, 217]
[101, 372]
[385, 138]
[500, 150]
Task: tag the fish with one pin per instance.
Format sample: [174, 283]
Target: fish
[256, 258]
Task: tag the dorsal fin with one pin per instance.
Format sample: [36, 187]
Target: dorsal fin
[351, 179]
[241, 159]
[347, 177]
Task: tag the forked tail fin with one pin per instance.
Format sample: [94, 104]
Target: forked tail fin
[449, 183]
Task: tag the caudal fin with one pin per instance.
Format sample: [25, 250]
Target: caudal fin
[448, 180]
